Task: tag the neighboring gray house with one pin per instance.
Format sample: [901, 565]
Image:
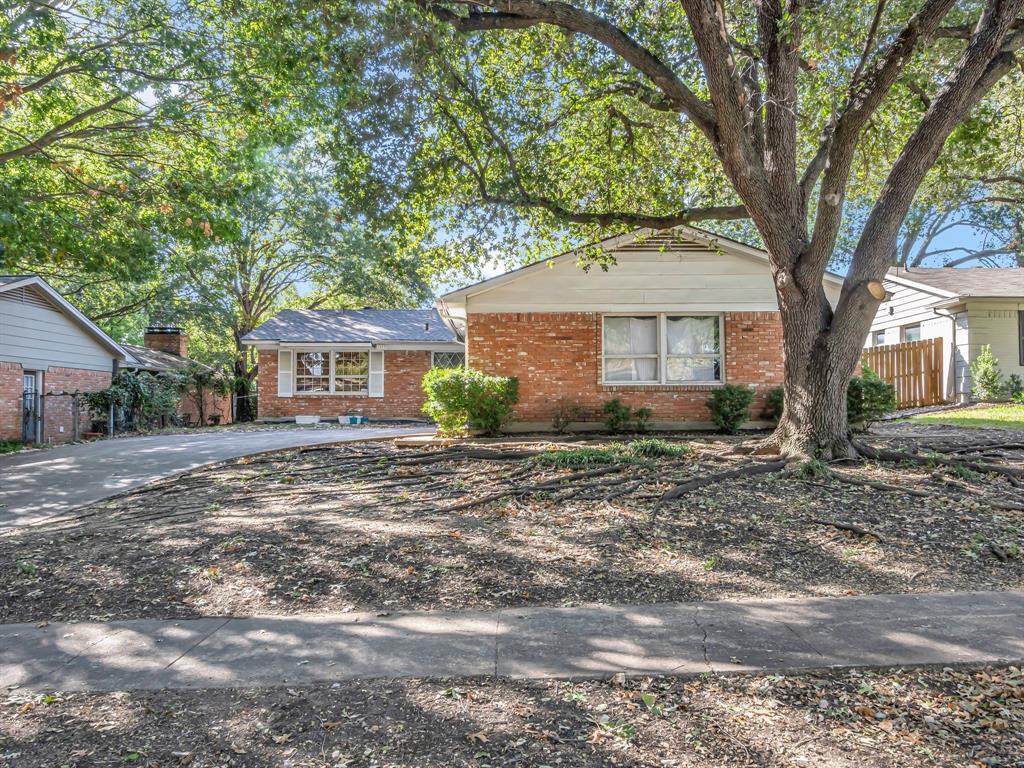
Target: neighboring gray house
[48, 350]
[966, 307]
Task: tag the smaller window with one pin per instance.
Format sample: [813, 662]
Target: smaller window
[312, 372]
[351, 372]
[878, 338]
[448, 360]
[912, 332]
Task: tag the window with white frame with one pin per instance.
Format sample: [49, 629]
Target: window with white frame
[662, 349]
[912, 332]
[351, 372]
[313, 372]
[448, 360]
[693, 350]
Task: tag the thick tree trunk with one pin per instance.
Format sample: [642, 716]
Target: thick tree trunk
[819, 363]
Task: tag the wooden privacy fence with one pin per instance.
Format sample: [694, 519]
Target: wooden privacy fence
[914, 368]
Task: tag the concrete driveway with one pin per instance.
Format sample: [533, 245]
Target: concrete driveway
[37, 486]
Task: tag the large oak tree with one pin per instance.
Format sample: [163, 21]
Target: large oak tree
[763, 111]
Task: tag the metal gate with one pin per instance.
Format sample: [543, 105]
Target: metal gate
[30, 410]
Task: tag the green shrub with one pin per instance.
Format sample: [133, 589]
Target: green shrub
[617, 415]
[773, 404]
[459, 399]
[1014, 387]
[730, 407]
[643, 418]
[565, 414]
[986, 378]
[868, 399]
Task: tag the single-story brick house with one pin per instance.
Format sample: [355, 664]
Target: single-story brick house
[680, 313]
[48, 350]
[165, 349]
[966, 307]
[332, 363]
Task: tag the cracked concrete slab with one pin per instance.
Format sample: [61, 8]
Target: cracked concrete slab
[537, 642]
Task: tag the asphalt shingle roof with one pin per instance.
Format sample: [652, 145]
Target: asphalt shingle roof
[156, 360]
[342, 326]
[979, 282]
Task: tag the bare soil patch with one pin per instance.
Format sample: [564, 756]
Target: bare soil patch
[375, 526]
[923, 718]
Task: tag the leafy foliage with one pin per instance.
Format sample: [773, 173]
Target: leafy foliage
[142, 400]
[617, 415]
[774, 402]
[460, 399]
[868, 398]
[730, 407]
[986, 377]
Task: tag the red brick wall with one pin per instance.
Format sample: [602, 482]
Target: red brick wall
[57, 406]
[219, 405]
[403, 391]
[557, 357]
[11, 387]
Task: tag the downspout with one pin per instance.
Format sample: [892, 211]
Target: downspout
[952, 352]
[110, 411]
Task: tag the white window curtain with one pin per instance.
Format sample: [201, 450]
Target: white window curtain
[693, 348]
[631, 348]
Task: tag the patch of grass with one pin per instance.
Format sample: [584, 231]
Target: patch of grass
[653, 447]
[9, 446]
[1004, 416]
[574, 458]
[644, 448]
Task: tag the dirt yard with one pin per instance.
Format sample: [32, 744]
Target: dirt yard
[895, 719]
[375, 526]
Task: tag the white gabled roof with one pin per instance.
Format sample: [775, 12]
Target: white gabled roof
[683, 233]
[15, 282]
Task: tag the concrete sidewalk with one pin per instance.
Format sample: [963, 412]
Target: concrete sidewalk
[681, 639]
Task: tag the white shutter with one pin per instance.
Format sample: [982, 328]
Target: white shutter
[284, 373]
[376, 374]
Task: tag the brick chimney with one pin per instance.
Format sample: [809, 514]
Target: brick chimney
[165, 338]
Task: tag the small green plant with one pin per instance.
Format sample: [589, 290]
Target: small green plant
[1015, 387]
[653, 448]
[617, 415]
[620, 729]
[773, 404]
[9, 446]
[868, 398]
[565, 414]
[459, 399]
[812, 469]
[730, 407]
[643, 418]
[711, 563]
[650, 702]
[986, 378]
[966, 473]
[26, 567]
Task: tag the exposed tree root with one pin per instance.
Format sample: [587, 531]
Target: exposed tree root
[527, 490]
[877, 485]
[881, 454]
[847, 527]
[746, 470]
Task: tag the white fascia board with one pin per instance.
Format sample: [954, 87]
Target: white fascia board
[432, 346]
[923, 287]
[68, 308]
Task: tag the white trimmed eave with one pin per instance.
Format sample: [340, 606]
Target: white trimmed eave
[426, 346]
[69, 309]
[923, 287]
[453, 303]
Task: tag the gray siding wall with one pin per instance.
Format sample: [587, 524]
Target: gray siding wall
[39, 336]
